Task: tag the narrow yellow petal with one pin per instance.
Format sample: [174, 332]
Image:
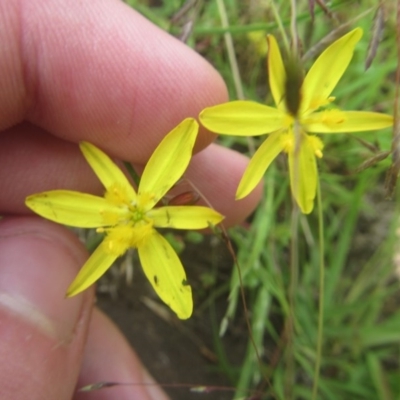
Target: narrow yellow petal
[303, 174]
[242, 118]
[93, 269]
[106, 170]
[168, 162]
[276, 72]
[184, 217]
[335, 121]
[259, 163]
[327, 71]
[74, 208]
[165, 272]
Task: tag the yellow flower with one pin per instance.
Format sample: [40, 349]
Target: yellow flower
[288, 124]
[128, 218]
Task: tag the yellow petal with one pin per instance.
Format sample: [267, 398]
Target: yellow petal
[106, 170]
[168, 162]
[327, 70]
[165, 272]
[335, 121]
[74, 209]
[277, 74]
[303, 174]
[259, 163]
[242, 118]
[93, 269]
[184, 217]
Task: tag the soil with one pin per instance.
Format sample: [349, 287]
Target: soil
[185, 355]
[180, 354]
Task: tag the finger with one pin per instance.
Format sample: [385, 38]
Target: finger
[106, 343]
[37, 162]
[216, 173]
[34, 161]
[99, 71]
[42, 333]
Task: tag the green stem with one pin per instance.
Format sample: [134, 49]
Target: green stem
[320, 332]
[294, 277]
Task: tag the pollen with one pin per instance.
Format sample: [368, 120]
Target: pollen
[316, 144]
[117, 240]
[140, 234]
[117, 194]
[318, 102]
[111, 218]
[287, 142]
[333, 117]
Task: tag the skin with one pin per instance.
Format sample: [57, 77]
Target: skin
[100, 72]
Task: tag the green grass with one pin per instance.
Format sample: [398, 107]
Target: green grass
[361, 313]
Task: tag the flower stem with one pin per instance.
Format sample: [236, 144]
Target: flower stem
[290, 324]
[320, 332]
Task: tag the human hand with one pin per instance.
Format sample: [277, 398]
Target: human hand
[94, 71]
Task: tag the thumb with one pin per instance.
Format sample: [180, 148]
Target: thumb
[42, 333]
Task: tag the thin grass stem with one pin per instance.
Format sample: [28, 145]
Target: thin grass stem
[293, 27]
[231, 51]
[280, 24]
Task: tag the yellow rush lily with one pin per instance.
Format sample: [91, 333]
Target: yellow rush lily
[288, 130]
[128, 218]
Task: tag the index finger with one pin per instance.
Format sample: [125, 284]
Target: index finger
[100, 72]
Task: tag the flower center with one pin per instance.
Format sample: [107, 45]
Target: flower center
[128, 228]
[137, 215]
[133, 213]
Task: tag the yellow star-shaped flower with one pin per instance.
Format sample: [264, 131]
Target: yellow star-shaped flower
[288, 130]
[129, 218]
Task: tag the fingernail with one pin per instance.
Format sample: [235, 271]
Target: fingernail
[36, 266]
